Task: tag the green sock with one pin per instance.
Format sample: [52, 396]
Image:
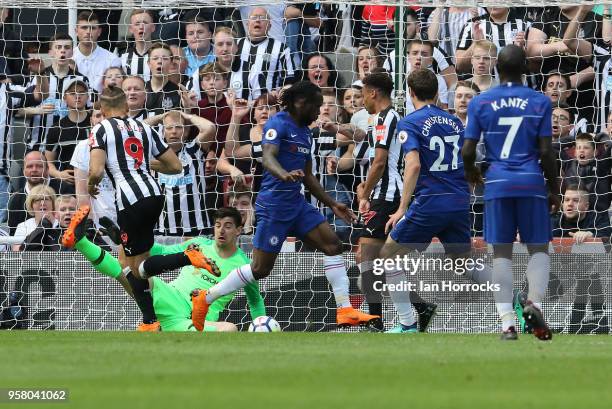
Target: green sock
[156, 250]
[101, 260]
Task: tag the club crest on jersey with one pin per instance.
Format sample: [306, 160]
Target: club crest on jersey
[271, 134]
[379, 132]
[274, 240]
[167, 103]
[402, 137]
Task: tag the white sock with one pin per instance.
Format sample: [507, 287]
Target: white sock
[235, 280]
[502, 275]
[538, 273]
[335, 271]
[401, 299]
[480, 276]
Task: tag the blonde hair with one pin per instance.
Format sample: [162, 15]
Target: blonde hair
[486, 45]
[63, 198]
[37, 193]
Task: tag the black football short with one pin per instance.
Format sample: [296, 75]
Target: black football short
[376, 219]
[137, 222]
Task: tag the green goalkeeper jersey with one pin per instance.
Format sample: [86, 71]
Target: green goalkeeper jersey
[191, 278]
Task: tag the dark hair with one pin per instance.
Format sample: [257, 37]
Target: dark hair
[576, 187]
[159, 45]
[512, 62]
[564, 106]
[88, 15]
[585, 136]
[423, 83]
[421, 42]
[59, 36]
[381, 81]
[264, 99]
[468, 84]
[300, 90]
[195, 17]
[334, 79]
[564, 76]
[228, 212]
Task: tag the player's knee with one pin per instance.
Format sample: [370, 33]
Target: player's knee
[226, 327]
[333, 248]
[261, 270]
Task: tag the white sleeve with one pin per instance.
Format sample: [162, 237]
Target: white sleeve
[442, 90]
[80, 157]
[20, 230]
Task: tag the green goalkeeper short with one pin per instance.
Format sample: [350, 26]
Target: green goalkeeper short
[172, 309]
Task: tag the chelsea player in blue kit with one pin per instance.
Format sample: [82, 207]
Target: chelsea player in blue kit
[431, 141]
[282, 209]
[515, 124]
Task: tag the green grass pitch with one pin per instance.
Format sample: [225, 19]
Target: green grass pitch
[314, 371]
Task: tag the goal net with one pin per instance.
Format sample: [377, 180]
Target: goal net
[59, 55]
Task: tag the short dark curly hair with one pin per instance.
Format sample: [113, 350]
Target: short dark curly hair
[300, 90]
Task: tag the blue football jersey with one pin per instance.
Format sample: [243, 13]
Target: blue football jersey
[438, 137]
[294, 144]
[511, 119]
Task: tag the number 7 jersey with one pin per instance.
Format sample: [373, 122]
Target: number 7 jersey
[511, 119]
[129, 145]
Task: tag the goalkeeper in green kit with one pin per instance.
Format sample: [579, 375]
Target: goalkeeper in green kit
[203, 263]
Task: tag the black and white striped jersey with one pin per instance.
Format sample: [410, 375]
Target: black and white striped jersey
[136, 64]
[129, 145]
[602, 63]
[323, 145]
[39, 125]
[499, 34]
[184, 211]
[383, 134]
[11, 97]
[260, 68]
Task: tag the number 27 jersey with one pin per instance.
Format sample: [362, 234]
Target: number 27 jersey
[511, 119]
[129, 145]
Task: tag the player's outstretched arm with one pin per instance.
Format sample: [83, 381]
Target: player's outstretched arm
[582, 48]
[549, 166]
[270, 163]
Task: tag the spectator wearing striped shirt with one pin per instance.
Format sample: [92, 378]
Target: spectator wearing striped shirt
[61, 72]
[501, 26]
[135, 61]
[262, 64]
[185, 210]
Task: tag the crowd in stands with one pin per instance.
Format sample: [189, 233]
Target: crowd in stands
[208, 80]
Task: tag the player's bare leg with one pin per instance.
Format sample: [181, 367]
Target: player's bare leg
[502, 275]
[324, 239]
[538, 274]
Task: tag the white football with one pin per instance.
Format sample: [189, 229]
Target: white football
[264, 324]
